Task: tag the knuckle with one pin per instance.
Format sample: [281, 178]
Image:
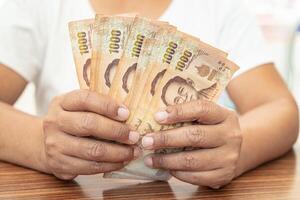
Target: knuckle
[232, 126]
[56, 100]
[64, 166]
[231, 172]
[108, 106]
[48, 123]
[159, 161]
[52, 152]
[52, 164]
[190, 162]
[87, 123]
[235, 136]
[195, 179]
[179, 110]
[163, 139]
[97, 166]
[97, 151]
[204, 107]
[196, 136]
[121, 132]
[50, 144]
[233, 117]
[232, 158]
[221, 181]
[61, 119]
[83, 97]
[127, 154]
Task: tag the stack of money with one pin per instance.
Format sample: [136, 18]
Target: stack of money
[147, 65]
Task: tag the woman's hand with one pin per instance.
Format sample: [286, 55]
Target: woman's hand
[77, 131]
[216, 139]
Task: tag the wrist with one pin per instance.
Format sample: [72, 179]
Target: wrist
[240, 169]
[243, 164]
[42, 158]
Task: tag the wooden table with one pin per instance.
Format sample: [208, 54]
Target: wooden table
[279, 179]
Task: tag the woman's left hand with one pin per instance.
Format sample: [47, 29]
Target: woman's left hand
[216, 138]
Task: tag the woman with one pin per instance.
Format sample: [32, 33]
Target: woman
[35, 48]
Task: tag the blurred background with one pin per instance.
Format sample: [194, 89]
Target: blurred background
[280, 23]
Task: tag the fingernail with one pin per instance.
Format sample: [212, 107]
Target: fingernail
[161, 116]
[123, 113]
[137, 152]
[147, 141]
[148, 161]
[134, 137]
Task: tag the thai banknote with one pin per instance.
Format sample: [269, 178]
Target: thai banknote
[110, 35]
[171, 52]
[162, 55]
[151, 54]
[81, 41]
[148, 54]
[197, 73]
[205, 78]
[138, 82]
[147, 65]
[141, 30]
[183, 60]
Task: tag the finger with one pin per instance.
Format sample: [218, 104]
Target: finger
[95, 150]
[90, 124]
[190, 136]
[65, 176]
[204, 112]
[197, 160]
[85, 100]
[214, 179]
[77, 166]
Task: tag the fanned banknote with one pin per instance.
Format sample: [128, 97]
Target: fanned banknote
[152, 55]
[162, 55]
[172, 52]
[197, 73]
[109, 36]
[81, 40]
[147, 65]
[141, 29]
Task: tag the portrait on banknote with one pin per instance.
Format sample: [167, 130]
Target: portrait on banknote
[110, 72]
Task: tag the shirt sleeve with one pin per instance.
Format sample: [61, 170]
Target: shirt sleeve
[242, 38]
[21, 46]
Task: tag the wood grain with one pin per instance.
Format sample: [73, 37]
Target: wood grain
[279, 179]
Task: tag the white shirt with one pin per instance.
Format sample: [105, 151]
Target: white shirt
[35, 40]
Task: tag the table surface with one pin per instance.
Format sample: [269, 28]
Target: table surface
[279, 179]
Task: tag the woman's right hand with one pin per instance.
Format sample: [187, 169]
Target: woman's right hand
[78, 133]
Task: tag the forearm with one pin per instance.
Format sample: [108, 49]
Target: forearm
[21, 138]
[269, 131]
